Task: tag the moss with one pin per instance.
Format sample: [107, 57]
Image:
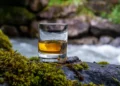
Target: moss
[117, 81]
[81, 66]
[1, 80]
[103, 63]
[15, 15]
[18, 70]
[36, 59]
[91, 84]
[5, 42]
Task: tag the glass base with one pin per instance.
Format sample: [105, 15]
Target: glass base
[59, 58]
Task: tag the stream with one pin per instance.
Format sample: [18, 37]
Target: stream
[88, 53]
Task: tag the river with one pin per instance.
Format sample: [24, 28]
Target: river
[88, 53]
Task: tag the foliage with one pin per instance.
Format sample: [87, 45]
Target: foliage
[36, 59]
[81, 66]
[20, 71]
[14, 15]
[5, 42]
[115, 14]
[103, 63]
[65, 2]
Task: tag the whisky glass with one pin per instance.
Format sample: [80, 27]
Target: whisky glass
[52, 43]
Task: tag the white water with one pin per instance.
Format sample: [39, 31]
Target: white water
[89, 53]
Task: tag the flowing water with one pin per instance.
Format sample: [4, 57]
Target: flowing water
[89, 53]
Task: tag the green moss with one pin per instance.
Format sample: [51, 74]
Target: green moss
[1, 80]
[103, 63]
[15, 15]
[81, 66]
[5, 42]
[91, 84]
[36, 59]
[117, 81]
[18, 70]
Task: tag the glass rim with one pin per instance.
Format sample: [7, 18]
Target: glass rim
[53, 24]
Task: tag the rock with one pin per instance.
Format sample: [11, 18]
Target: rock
[101, 6]
[24, 31]
[77, 27]
[37, 5]
[105, 40]
[84, 40]
[15, 16]
[58, 12]
[116, 42]
[108, 75]
[101, 27]
[10, 30]
[34, 29]
[74, 59]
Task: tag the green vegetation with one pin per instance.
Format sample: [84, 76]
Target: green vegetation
[65, 2]
[18, 70]
[81, 66]
[116, 80]
[103, 63]
[15, 15]
[5, 42]
[114, 15]
[36, 59]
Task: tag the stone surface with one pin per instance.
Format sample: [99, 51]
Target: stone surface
[108, 75]
[116, 42]
[10, 30]
[101, 6]
[37, 5]
[101, 26]
[84, 40]
[77, 27]
[58, 12]
[34, 28]
[105, 40]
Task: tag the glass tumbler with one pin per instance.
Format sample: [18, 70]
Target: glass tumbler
[52, 43]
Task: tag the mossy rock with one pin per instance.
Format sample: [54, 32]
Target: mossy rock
[17, 70]
[15, 15]
[5, 42]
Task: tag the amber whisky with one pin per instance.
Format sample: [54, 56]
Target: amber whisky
[52, 46]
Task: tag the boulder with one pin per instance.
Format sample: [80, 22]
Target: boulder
[10, 30]
[24, 31]
[116, 42]
[107, 75]
[105, 40]
[54, 12]
[37, 5]
[77, 27]
[101, 6]
[101, 27]
[34, 29]
[84, 40]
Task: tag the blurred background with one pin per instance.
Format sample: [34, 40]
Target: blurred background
[94, 26]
